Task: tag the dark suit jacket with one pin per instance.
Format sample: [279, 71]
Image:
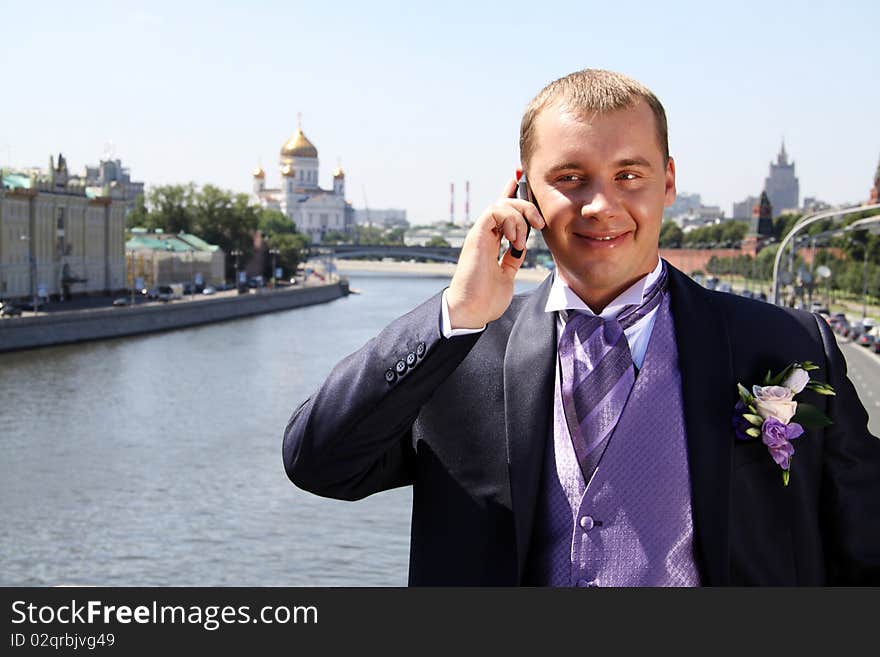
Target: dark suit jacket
[468, 422]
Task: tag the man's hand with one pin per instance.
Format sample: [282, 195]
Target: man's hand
[482, 286]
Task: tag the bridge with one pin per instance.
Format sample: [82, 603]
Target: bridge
[402, 252]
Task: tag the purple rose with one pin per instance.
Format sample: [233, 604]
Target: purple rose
[777, 437]
[740, 424]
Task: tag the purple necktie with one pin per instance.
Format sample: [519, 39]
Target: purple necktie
[598, 374]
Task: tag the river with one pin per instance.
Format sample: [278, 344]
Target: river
[156, 460]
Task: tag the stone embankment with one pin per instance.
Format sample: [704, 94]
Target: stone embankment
[100, 323]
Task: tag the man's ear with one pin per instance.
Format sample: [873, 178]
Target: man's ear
[670, 183]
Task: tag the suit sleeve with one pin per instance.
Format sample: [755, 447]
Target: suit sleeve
[851, 486]
[353, 437]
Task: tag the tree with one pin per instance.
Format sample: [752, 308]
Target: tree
[437, 241]
[139, 216]
[171, 208]
[291, 249]
[275, 222]
[333, 237]
[671, 235]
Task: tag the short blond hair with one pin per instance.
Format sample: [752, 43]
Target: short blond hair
[589, 91]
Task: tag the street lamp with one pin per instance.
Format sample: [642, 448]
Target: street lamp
[32, 260]
[274, 253]
[131, 273]
[236, 253]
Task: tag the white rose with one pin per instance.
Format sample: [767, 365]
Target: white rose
[773, 393]
[780, 409]
[797, 380]
[775, 401]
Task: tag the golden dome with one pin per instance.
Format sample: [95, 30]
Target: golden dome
[338, 173]
[259, 173]
[287, 171]
[299, 146]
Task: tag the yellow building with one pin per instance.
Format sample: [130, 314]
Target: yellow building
[59, 236]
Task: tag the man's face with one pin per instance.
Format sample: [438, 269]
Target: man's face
[601, 184]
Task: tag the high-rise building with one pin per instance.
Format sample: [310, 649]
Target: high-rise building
[743, 209]
[782, 185]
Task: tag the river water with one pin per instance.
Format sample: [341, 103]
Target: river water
[156, 460]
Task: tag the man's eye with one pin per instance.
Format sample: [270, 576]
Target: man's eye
[571, 177]
[627, 175]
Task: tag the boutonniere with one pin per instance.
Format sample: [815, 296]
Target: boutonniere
[769, 412]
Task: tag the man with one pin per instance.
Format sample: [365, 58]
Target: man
[582, 435]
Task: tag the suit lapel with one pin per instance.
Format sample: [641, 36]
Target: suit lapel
[529, 370]
[707, 389]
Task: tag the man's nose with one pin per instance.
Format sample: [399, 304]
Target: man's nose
[599, 204]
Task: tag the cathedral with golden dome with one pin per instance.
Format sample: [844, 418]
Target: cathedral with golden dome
[314, 210]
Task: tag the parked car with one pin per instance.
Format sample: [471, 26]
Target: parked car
[209, 290]
[866, 339]
[170, 292]
[876, 347]
[725, 287]
[121, 301]
[9, 310]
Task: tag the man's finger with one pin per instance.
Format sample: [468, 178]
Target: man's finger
[530, 211]
[510, 264]
[509, 190]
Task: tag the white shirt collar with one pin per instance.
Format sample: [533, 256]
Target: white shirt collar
[562, 297]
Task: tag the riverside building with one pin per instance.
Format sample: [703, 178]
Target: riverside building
[314, 210]
[60, 235]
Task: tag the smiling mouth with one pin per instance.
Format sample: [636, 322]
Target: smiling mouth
[600, 238]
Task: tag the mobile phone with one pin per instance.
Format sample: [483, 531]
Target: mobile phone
[525, 193]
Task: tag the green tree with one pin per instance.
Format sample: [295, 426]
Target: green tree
[333, 237]
[275, 222]
[292, 249]
[671, 235]
[437, 241]
[139, 215]
[172, 208]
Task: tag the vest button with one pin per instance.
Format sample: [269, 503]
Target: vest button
[587, 523]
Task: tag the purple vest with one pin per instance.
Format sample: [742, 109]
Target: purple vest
[632, 525]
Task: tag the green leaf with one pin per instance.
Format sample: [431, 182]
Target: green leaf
[809, 416]
[808, 366]
[768, 378]
[744, 394]
[753, 409]
[754, 432]
[820, 388]
[757, 420]
[782, 376]
[785, 477]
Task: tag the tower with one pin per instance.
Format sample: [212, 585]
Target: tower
[300, 154]
[259, 181]
[874, 196]
[760, 227]
[782, 185]
[339, 181]
[288, 191]
[452, 203]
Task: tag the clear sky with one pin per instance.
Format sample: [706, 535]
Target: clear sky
[411, 96]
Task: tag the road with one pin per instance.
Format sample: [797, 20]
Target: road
[864, 371]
